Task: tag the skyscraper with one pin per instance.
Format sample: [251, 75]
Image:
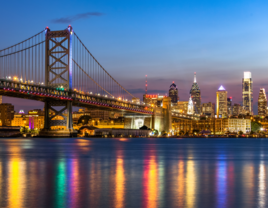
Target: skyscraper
[237, 109]
[262, 103]
[173, 93]
[196, 96]
[247, 93]
[229, 106]
[221, 100]
[208, 109]
[190, 109]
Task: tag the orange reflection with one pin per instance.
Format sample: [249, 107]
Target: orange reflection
[119, 181]
[181, 183]
[190, 184]
[248, 172]
[150, 182]
[123, 139]
[83, 144]
[16, 175]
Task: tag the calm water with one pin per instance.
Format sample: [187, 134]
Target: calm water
[146, 173]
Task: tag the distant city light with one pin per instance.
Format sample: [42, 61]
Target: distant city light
[221, 88]
[247, 75]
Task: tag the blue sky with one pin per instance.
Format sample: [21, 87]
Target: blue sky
[167, 40]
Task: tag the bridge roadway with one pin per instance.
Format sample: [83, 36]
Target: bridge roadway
[42, 93]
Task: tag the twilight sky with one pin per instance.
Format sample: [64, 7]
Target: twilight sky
[167, 40]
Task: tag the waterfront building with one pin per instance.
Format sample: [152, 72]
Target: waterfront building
[247, 93]
[34, 120]
[208, 109]
[221, 102]
[155, 100]
[173, 94]
[262, 103]
[237, 109]
[99, 114]
[190, 109]
[6, 114]
[229, 106]
[219, 125]
[196, 96]
[181, 107]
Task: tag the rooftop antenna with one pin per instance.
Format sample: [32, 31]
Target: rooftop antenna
[195, 77]
[146, 84]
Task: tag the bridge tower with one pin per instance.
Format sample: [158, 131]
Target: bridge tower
[58, 74]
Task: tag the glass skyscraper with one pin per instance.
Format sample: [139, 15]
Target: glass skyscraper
[262, 103]
[221, 99]
[196, 96]
[173, 93]
[247, 93]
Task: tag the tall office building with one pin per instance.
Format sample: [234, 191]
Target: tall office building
[173, 94]
[229, 106]
[208, 109]
[247, 93]
[6, 114]
[262, 103]
[190, 109]
[196, 96]
[237, 109]
[221, 100]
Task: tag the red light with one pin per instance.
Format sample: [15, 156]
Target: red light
[173, 82]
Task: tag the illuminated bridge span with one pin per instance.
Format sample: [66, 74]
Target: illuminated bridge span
[57, 68]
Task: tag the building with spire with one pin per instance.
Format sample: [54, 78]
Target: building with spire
[196, 96]
[247, 93]
[221, 102]
[173, 93]
[190, 109]
[262, 103]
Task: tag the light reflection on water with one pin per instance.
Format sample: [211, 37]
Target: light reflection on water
[147, 173]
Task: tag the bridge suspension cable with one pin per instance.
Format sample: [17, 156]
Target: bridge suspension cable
[22, 41]
[98, 71]
[92, 79]
[25, 60]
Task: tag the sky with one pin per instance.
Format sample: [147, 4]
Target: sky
[165, 40]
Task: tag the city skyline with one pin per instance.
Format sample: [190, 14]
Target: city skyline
[174, 46]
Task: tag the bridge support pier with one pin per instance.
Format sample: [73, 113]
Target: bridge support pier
[55, 117]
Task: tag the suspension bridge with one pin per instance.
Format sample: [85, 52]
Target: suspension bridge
[57, 68]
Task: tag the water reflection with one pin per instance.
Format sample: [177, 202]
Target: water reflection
[190, 184]
[221, 181]
[150, 182]
[16, 178]
[148, 173]
[60, 192]
[119, 181]
[181, 184]
[262, 186]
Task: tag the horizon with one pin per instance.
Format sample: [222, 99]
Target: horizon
[218, 40]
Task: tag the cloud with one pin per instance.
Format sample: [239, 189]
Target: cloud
[73, 18]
